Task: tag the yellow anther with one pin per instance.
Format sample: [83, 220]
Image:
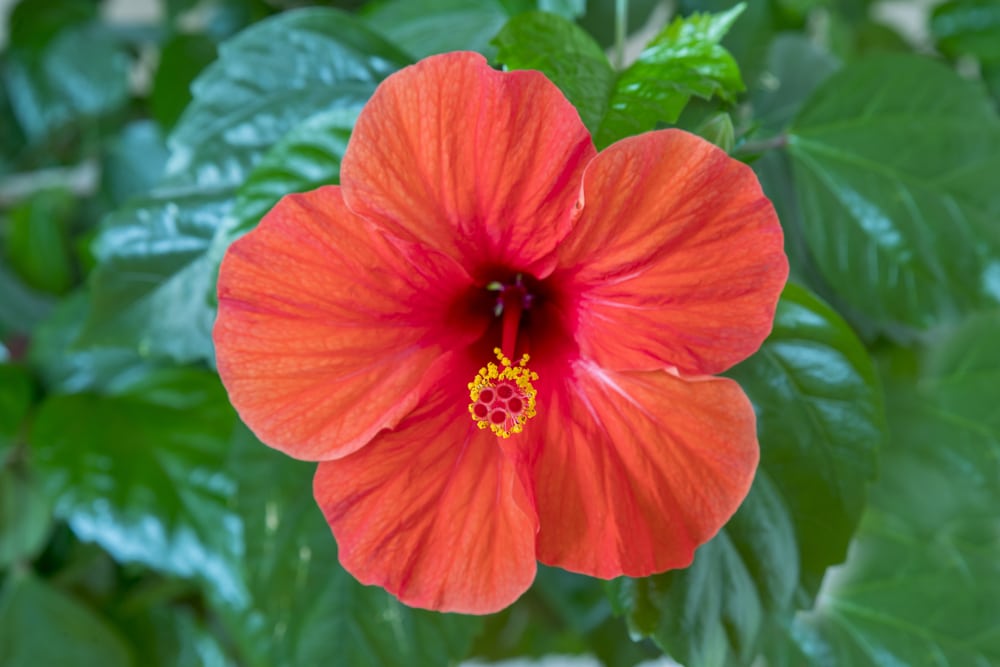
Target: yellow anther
[503, 398]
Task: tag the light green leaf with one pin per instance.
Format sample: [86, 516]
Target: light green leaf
[40, 625]
[895, 162]
[684, 60]
[821, 425]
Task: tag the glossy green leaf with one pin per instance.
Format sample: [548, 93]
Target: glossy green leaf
[922, 584]
[712, 613]
[81, 74]
[38, 240]
[968, 27]
[40, 625]
[685, 59]
[821, 424]
[306, 158]
[142, 474]
[152, 288]
[566, 54]
[268, 79]
[749, 39]
[436, 26]
[25, 516]
[303, 608]
[894, 160]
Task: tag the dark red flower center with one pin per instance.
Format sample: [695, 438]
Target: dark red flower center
[502, 395]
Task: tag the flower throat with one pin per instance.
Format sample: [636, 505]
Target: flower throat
[502, 395]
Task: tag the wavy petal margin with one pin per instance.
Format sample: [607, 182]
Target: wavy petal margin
[483, 165]
[433, 512]
[676, 260]
[326, 332]
[633, 471]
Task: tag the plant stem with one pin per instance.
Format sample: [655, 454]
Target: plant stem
[621, 29]
[762, 146]
[82, 180]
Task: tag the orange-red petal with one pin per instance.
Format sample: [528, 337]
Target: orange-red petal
[481, 164]
[326, 331]
[433, 512]
[676, 259]
[634, 470]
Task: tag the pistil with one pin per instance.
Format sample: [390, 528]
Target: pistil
[502, 395]
[512, 303]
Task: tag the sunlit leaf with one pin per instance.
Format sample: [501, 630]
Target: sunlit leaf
[684, 60]
[307, 157]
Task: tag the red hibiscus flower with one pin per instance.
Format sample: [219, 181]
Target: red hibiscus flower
[499, 344]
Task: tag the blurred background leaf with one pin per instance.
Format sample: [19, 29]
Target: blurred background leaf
[33, 614]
